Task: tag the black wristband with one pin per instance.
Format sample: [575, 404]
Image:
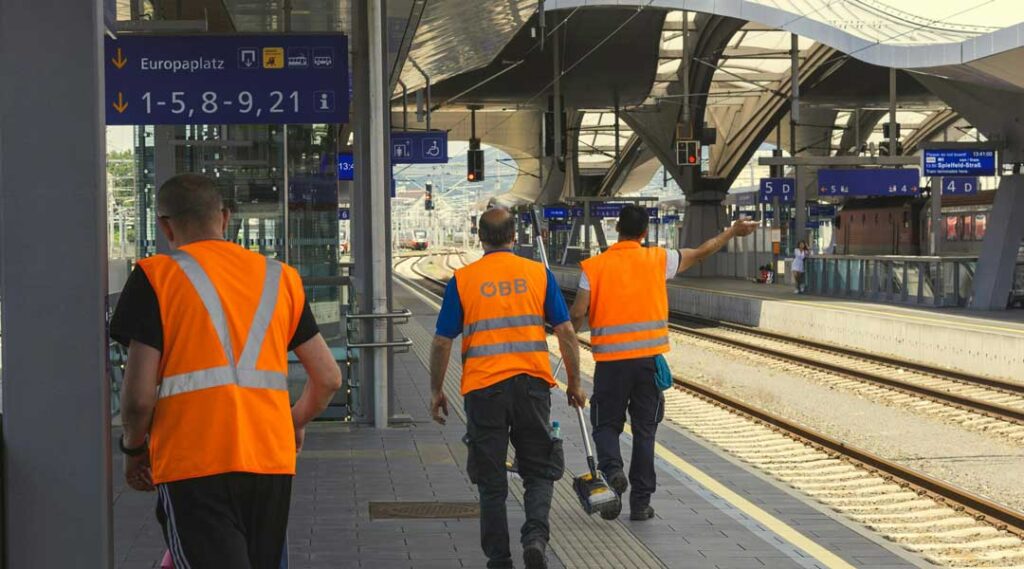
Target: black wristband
[132, 451]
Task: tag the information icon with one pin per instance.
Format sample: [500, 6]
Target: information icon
[324, 101]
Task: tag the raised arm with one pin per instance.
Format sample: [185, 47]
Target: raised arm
[690, 257]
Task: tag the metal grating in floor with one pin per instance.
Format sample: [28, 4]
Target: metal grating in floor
[423, 510]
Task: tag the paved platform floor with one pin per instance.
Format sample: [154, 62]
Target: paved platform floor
[345, 466]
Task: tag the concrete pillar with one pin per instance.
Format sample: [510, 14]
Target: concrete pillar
[53, 279]
[371, 220]
[994, 276]
[705, 218]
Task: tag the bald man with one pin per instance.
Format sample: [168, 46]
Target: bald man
[499, 305]
[205, 405]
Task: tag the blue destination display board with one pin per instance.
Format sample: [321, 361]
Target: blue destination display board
[346, 166]
[670, 219]
[782, 188]
[419, 147]
[249, 79]
[959, 185]
[943, 162]
[555, 213]
[821, 210]
[869, 182]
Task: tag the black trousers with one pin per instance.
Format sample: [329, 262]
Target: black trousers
[227, 521]
[517, 409]
[620, 386]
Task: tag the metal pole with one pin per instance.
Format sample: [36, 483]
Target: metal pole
[380, 177]
[617, 145]
[800, 205]
[893, 151]
[57, 475]
[286, 197]
[405, 106]
[557, 104]
[686, 66]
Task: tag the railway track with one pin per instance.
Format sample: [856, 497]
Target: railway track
[947, 525]
[979, 404]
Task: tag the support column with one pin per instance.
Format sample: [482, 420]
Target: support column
[800, 205]
[994, 276]
[53, 279]
[371, 192]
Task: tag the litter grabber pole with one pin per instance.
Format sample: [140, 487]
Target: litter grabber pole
[586, 443]
[539, 243]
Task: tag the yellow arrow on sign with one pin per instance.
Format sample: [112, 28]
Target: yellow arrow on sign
[119, 61]
[120, 106]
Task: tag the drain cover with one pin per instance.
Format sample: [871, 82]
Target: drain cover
[423, 510]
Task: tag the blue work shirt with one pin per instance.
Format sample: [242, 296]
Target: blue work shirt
[449, 320]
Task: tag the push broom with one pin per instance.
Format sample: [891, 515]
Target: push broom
[591, 488]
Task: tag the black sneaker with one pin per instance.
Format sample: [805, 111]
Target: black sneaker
[500, 564]
[534, 556]
[641, 514]
[618, 481]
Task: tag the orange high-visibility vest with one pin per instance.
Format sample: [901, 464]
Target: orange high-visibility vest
[228, 315]
[628, 302]
[503, 335]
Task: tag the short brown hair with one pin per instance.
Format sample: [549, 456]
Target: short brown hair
[189, 199]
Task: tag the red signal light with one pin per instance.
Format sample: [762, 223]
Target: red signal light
[471, 176]
[692, 159]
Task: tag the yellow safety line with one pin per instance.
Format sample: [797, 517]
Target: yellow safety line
[781, 528]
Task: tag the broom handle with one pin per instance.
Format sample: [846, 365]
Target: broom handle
[586, 442]
[579, 411]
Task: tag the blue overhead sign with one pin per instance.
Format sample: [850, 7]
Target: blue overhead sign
[240, 79]
[782, 188]
[419, 147]
[948, 162]
[821, 210]
[346, 166]
[670, 219]
[555, 213]
[959, 185]
[869, 182]
[344, 214]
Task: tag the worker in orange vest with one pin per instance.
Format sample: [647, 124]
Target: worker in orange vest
[499, 305]
[624, 292]
[205, 406]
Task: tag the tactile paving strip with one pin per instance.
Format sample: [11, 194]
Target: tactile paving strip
[579, 540]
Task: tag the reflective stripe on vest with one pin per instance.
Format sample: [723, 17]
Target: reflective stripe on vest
[626, 328]
[244, 373]
[627, 346]
[504, 322]
[505, 348]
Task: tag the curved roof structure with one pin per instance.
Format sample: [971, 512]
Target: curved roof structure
[962, 39]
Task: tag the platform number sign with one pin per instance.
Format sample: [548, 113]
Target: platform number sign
[959, 185]
[782, 188]
[242, 79]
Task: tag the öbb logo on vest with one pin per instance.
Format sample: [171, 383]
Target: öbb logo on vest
[503, 288]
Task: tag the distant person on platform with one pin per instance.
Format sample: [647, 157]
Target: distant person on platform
[499, 305]
[624, 293]
[205, 406]
[801, 253]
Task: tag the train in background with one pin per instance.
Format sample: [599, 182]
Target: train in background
[903, 226]
[415, 240]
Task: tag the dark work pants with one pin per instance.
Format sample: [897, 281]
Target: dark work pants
[227, 521]
[517, 409]
[618, 386]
